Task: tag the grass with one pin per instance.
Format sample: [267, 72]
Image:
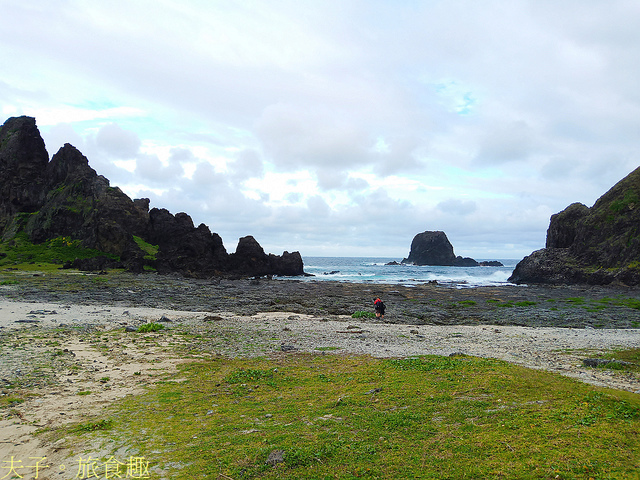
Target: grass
[21, 252]
[363, 314]
[10, 401]
[631, 357]
[353, 417]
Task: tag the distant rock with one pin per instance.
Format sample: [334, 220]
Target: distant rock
[433, 248]
[490, 263]
[65, 197]
[393, 263]
[598, 245]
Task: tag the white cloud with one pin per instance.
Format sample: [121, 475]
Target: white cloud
[117, 142]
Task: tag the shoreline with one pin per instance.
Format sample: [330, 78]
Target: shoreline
[429, 304]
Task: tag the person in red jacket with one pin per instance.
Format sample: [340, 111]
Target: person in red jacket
[379, 307]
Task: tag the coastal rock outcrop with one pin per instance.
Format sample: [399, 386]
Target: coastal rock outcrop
[66, 198]
[598, 245]
[433, 248]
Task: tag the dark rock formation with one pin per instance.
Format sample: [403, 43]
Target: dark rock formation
[65, 197]
[597, 245]
[184, 248]
[434, 248]
[431, 248]
[23, 165]
[490, 263]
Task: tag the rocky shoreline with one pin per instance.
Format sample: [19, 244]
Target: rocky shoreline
[63, 334]
[429, 304]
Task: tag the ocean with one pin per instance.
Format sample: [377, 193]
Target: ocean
[376, 270]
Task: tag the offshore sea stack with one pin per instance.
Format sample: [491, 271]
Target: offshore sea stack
[598, 245]
[65, 197]
[433, 248]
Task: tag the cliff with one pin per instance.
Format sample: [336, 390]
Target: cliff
[598, 245]
[65, 197]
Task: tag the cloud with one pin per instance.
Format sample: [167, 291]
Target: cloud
[118, 142]
[510, 142]
[295, 136]
[150, 168]
[457, 207]
[247, 164]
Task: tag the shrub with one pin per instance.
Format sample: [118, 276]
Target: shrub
[150, 327]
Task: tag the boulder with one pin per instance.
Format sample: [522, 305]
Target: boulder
[597, 245]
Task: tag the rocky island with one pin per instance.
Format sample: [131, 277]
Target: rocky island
[41, 200]
[433, 248]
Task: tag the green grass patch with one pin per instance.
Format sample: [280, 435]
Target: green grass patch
[505, 305]
[525, 303]
[10, 401]
[630, 357]
[150, 327]
[363, 314]
[359, 417]
[20, 251]
[151, 251]
[467, 303]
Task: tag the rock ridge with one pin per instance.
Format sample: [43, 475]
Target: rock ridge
[65, 197]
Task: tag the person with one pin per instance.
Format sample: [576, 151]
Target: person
[379, 307]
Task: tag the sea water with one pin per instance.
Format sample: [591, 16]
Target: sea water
[377, 270]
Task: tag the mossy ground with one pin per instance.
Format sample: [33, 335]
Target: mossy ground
[344, 417]
[21, 253]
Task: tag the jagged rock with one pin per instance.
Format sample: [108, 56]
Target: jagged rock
[81, 204]
[23, 164]
[287, 264]
[183, 248]
[598, 245]
[67, 198]
[250, 259]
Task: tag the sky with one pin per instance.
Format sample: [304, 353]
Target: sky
[338, 128]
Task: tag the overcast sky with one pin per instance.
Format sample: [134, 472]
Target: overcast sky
[338, 127]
